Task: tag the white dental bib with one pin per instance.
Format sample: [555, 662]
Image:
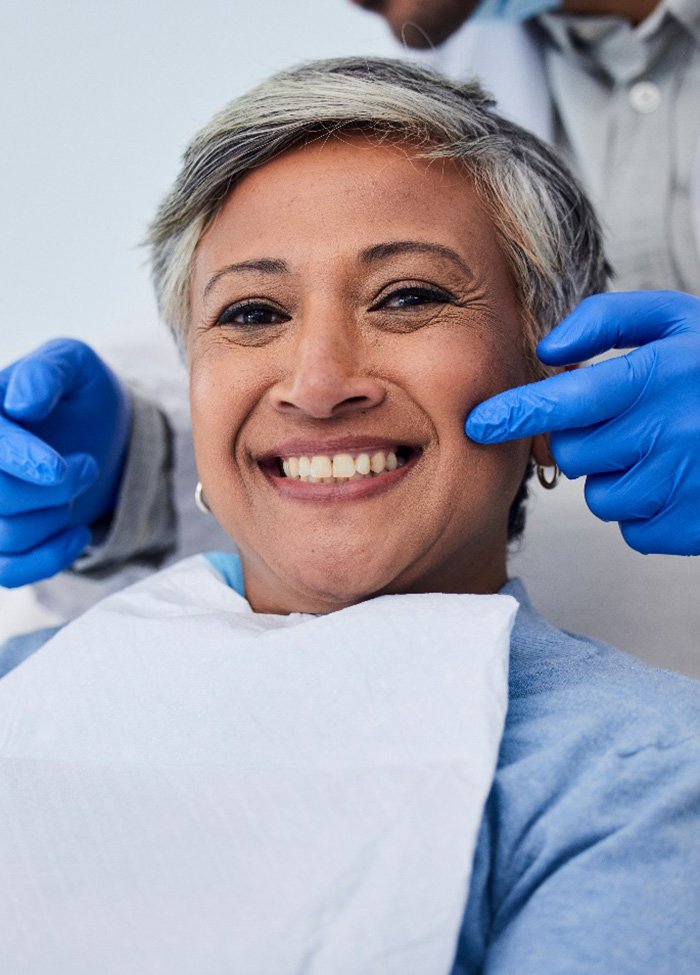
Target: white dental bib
[190, 788]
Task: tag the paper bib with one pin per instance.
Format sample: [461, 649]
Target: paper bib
[190, 788]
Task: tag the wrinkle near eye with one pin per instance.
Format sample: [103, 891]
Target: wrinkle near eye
[412, 319]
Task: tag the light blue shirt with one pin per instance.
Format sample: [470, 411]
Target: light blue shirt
[588, 860]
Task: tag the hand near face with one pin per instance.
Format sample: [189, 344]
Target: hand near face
[630, 425]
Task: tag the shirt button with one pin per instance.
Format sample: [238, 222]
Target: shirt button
[588, 33]
[645, 97]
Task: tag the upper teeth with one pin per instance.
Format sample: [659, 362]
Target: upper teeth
[322, 467]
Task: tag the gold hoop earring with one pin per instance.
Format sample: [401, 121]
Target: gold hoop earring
[551, 483]
[200, 500]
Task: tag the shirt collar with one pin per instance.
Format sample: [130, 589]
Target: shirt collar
[533, 640]
[613, 45]
[687, 12]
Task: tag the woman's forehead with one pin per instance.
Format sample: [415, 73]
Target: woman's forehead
[353, 169]
[349, 195]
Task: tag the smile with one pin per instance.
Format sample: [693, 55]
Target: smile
[338, 473]
[340, 468]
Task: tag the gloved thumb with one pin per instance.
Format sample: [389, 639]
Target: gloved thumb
[34, 388]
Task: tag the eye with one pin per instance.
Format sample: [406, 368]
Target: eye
[413, 296]
[251, 314]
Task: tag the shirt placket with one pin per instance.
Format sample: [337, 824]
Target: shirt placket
[626, 123]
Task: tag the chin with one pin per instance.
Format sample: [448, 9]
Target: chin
[422, 26]
[337, 584]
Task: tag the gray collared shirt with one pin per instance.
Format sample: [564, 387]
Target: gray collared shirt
[627, 118]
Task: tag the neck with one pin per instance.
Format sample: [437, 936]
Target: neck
[266, 593]
[633, 10]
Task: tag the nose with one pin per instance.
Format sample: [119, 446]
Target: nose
[328, 374]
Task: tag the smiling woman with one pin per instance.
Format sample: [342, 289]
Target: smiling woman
[349, 305]
[387, 254]
[281, 762]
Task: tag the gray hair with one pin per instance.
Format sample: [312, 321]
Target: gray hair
[545, 224]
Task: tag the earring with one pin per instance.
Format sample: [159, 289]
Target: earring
[546, 483]
[200, 500]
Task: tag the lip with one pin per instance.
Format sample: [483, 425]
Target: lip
[295, 490]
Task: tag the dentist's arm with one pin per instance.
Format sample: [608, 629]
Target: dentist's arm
[631, 424]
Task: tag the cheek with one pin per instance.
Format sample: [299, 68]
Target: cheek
[458, 367]
[220, 399]
[449, 375]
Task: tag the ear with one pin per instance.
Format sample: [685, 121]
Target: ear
[540, 450]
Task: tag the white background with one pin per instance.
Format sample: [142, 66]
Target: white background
[97, 101]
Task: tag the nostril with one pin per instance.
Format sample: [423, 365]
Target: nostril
[355, 401]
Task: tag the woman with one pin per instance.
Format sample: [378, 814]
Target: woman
[353, 255]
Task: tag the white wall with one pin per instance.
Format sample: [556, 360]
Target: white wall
[97, 101]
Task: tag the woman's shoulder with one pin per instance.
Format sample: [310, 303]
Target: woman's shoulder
[569, 688]
[593, 811]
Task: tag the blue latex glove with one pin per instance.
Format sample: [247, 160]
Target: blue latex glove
[632, 423]
[64, 428]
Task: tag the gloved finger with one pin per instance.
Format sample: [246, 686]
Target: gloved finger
[638, 493]
[671, 532]
[601, 448]
[571, 399]
[55, 555]
[617, 321]
[37, 382]
[22, 533]
[27, 457]
[33, 389]
[19, 497]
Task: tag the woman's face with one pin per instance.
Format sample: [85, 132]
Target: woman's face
[350, 305]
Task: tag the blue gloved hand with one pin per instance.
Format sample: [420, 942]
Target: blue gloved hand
[64, 428]
[632, 423]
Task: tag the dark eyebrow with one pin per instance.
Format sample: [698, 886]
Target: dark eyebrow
[266, 265]
[381, 251]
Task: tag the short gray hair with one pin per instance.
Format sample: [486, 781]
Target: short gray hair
[545, 224]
